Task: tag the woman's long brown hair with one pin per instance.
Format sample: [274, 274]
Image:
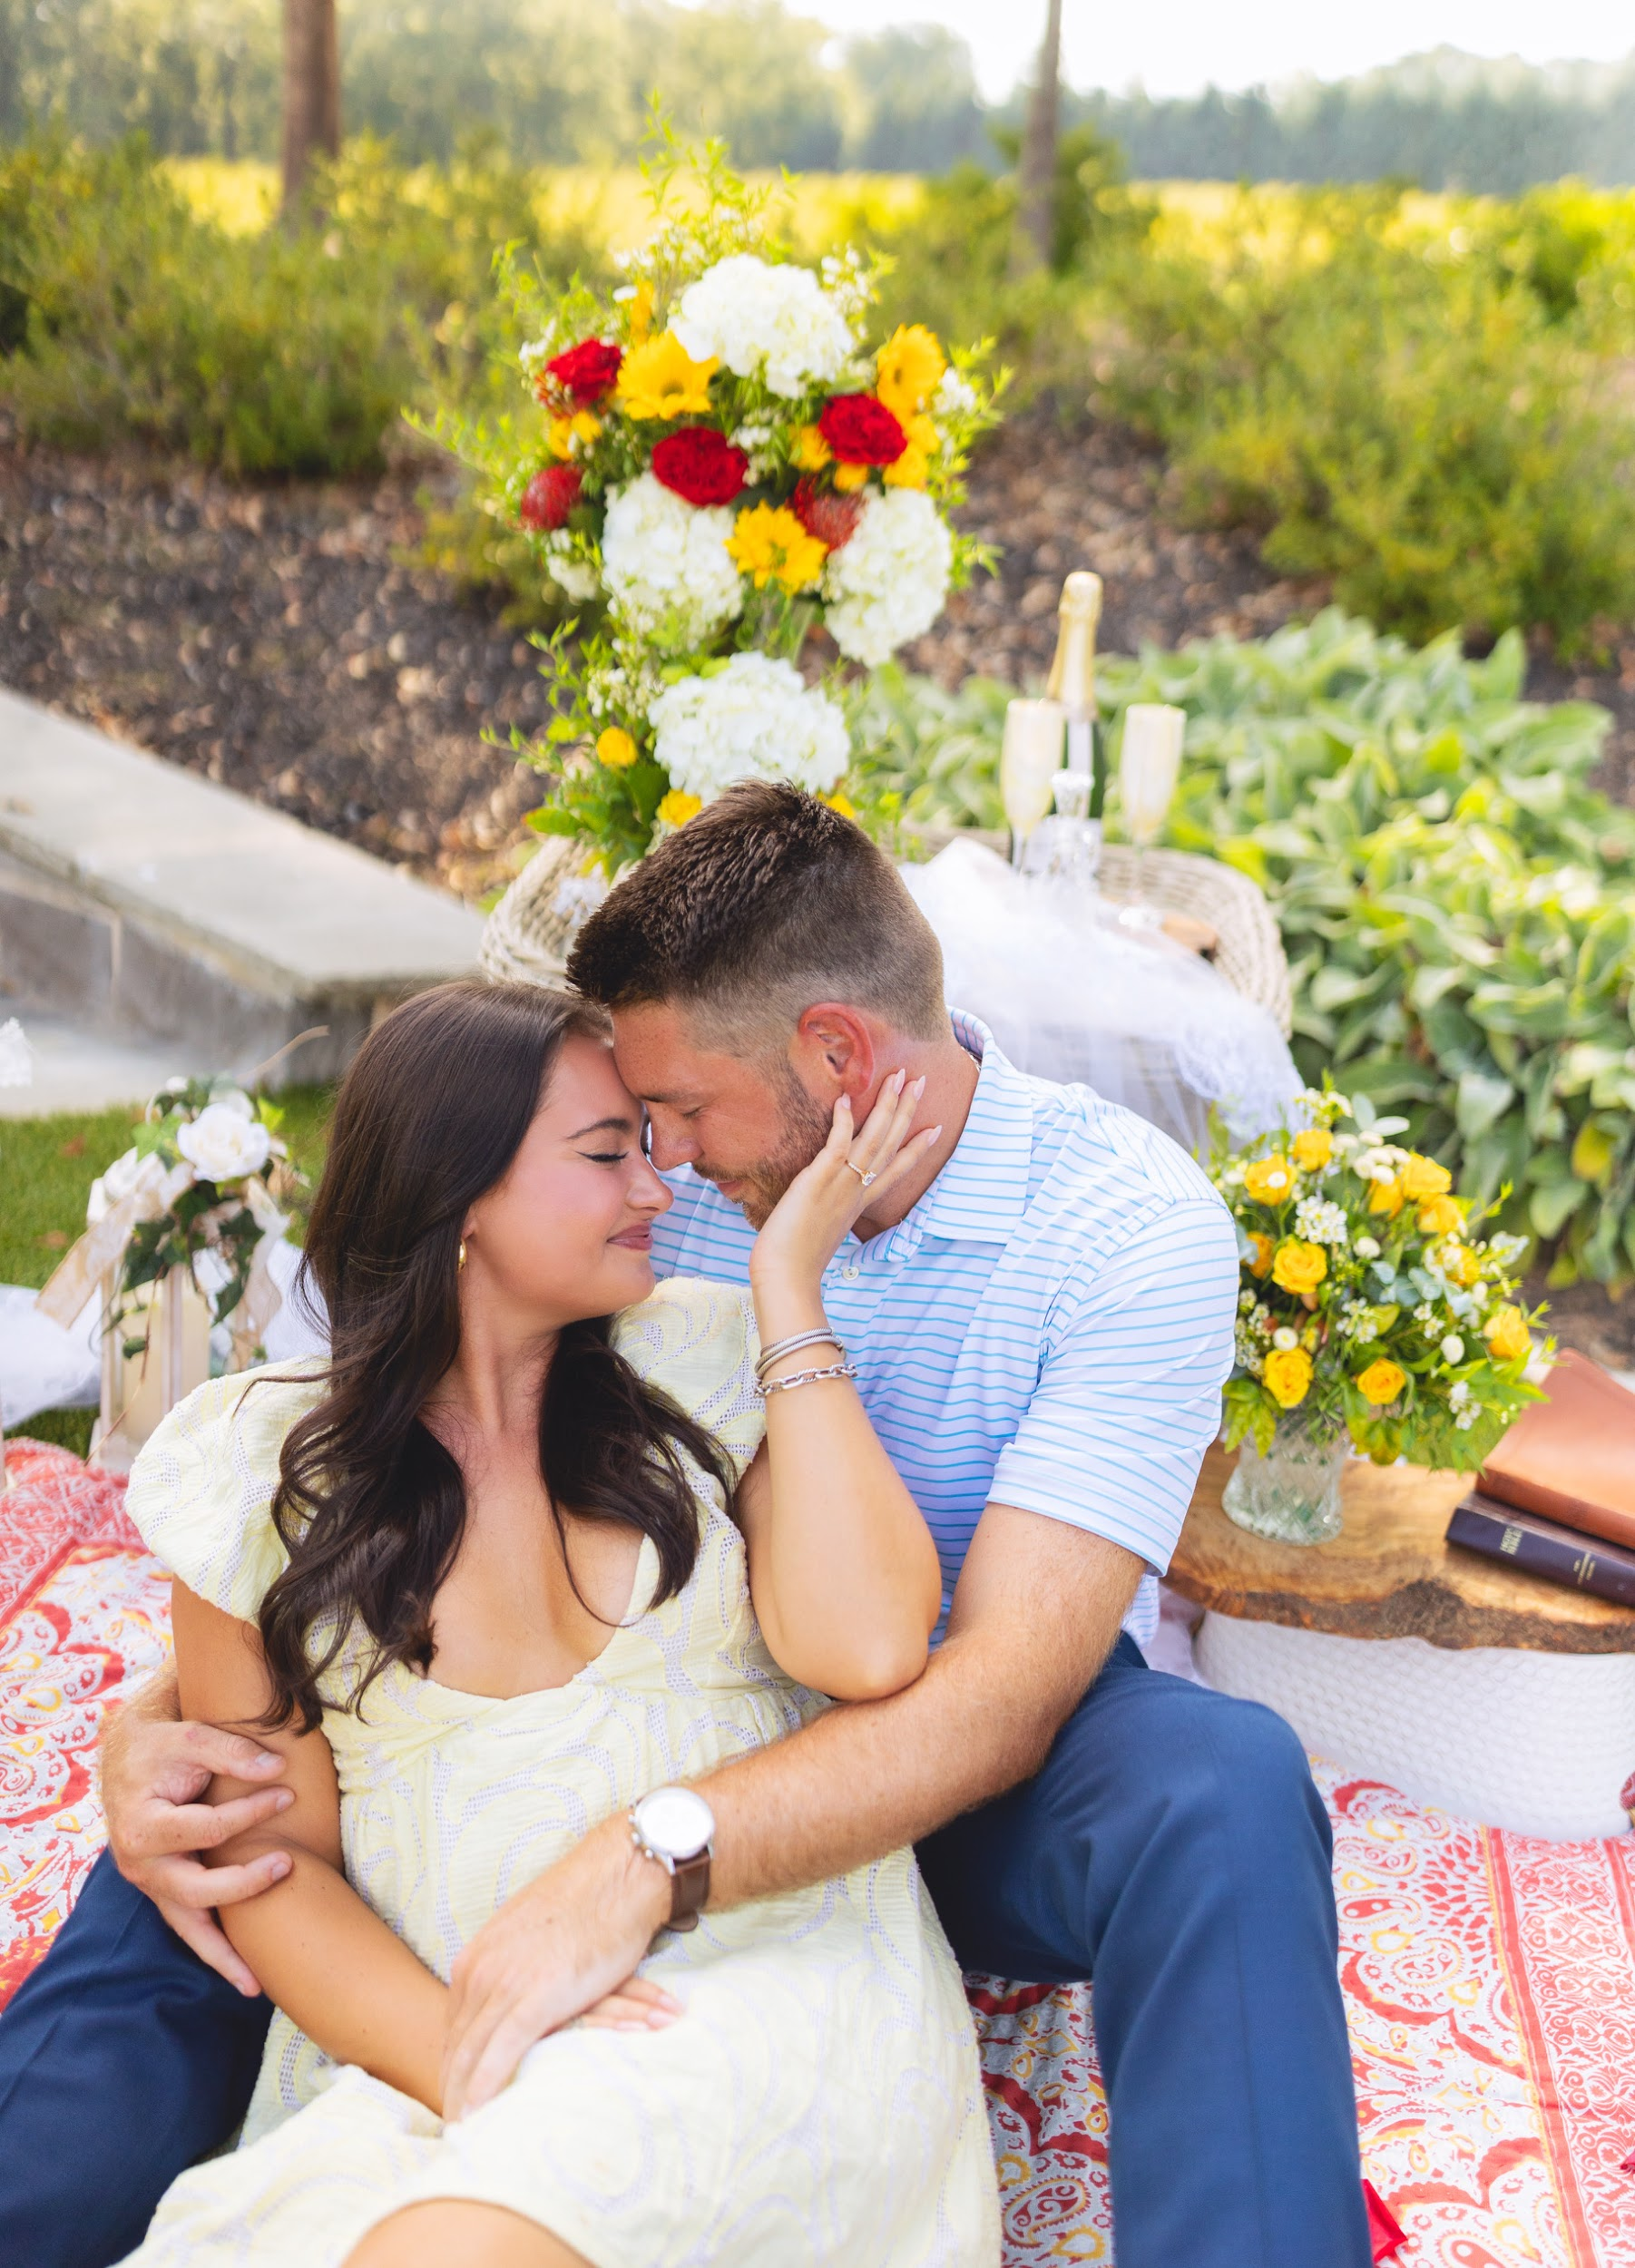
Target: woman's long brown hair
[370, 1506]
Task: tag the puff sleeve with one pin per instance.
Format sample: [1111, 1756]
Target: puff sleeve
[201, 1488]
[697, 1342]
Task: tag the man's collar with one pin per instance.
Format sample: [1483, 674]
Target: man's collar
[979, 1196]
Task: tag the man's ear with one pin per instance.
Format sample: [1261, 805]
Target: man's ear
[833, 1052]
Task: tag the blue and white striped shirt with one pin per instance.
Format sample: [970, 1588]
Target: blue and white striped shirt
[1049, 1327]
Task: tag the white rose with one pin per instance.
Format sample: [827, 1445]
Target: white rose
[753, 720]
[113, 1187]
[1453, 1348]
[1365, 1247]
[888, 584]
[773, 322]
[666, 563]
[221, 1145]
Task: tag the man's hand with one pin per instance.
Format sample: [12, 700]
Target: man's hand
[154, 1769]
[569, 1941]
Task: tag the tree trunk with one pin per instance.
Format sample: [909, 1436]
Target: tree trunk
[1036, 175]
[311, 93]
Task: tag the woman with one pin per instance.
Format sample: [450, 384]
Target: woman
[478, 1582]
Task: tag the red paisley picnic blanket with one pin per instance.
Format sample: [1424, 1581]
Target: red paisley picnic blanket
[1490, 1980]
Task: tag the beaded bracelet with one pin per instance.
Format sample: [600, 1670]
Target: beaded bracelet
[792, 1346]
[805, 1378]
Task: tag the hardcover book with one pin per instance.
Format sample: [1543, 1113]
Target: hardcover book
[1544, 1547]
[1571, 1457]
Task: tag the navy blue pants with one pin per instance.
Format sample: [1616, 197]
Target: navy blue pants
[1173, 1846]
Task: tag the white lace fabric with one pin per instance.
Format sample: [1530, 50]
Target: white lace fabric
[1071, 995]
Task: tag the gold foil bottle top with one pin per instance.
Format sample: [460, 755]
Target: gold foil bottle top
[1081, 596]
[1072, 679]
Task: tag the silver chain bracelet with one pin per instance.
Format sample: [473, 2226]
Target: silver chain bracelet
[805, 1378]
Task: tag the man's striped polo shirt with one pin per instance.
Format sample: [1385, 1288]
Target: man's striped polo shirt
[1049, 1327]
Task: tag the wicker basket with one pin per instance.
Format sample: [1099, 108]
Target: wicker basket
[1250, 953]
[529, 933]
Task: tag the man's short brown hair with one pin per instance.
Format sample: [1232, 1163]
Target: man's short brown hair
[763, 905]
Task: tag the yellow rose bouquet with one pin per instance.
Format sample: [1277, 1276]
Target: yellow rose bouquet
[1373, 1303]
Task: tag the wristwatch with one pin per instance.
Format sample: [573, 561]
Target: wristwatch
[676, 1827]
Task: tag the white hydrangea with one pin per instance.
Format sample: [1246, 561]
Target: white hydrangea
[776, 323]
[1319, 1222]
[753, 720]
[666, 565]
[889, 584]
[570, 571]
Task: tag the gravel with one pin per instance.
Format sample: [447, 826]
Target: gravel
[288, 642]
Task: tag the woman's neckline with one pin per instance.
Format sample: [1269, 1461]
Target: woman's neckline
[643, 1582]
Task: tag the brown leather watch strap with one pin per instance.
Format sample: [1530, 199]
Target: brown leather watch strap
[688, 1888]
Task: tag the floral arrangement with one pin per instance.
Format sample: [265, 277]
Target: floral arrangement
[1370, 1299]
[714, 455]
[200, 1189]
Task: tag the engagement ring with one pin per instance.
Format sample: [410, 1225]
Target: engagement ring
[864, 1177]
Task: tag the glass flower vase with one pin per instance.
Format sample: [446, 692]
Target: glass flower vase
[1292, 1493]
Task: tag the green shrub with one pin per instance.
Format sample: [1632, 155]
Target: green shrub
[954, 257]
[277, 353]
[1415, 413]
[1456, 901]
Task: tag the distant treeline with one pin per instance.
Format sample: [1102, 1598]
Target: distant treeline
[559, 82]
[1444, 120]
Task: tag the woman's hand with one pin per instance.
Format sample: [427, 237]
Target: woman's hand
[855, 1169]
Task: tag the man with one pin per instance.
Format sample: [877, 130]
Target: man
[1043, 1321]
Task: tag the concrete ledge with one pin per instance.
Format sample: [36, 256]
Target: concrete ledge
[141, 900]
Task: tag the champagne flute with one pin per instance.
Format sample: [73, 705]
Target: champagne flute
[1149, 768]
[1030, 757]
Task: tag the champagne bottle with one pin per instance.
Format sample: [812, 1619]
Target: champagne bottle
[1072, 680]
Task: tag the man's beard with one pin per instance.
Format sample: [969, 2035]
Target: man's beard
[806, 1128]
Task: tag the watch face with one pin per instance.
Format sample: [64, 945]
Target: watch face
[675, 1820]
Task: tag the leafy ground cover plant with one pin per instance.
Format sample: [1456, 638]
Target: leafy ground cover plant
[1457, 903]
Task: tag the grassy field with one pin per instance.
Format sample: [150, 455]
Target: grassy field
[46, 1169]
[608, 205]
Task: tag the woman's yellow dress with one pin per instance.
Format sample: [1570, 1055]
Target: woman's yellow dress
[818, 2102]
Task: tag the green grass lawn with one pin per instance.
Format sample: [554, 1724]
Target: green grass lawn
[46, 1169]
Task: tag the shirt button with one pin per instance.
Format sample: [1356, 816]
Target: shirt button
[850, 1272]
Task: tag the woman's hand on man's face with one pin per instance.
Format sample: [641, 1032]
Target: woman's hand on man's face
[856, 1170]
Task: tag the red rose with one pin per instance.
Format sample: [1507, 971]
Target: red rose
[832, 519]
[700, 466]
[550, 496]
[861, 430]
[585, 372]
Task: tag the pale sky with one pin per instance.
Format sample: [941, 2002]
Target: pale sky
[1179, 46]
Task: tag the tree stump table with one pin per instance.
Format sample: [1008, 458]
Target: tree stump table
[1463, 1682]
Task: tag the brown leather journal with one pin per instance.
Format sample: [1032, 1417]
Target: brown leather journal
[1572, 1457]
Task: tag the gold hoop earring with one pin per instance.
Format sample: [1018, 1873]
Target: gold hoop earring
[462, 1262]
